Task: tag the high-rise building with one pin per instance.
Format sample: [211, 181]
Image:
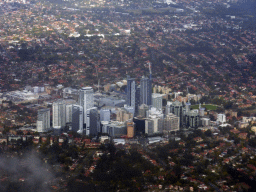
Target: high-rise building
[115, 129]
[105, 115]
[149, 126]
[143, 110]
[192, 119]
[201, 111]
[157, 101]
[139, 125]
[157, 117]
[77, 118]
[171, 123]
[145, 91]
[221, 118]
[153, 112]
[157, 124]
[188, 105]
[168, 108]
[69, 113]
[130, 129]
[205, 122]
[59, 114]
[92, 121]
[43, 120]
[131, 92]
[86, 99]
[177, 109]
[123, 115]
[130, 109]
[137, 100]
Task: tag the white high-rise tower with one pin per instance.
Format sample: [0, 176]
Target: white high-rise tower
[43, 120]
[59, 114]
[86, 100]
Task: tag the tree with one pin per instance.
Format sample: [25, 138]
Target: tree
[208, 133]
[212, 118]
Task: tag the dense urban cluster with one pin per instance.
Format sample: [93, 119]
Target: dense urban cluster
[127, 95]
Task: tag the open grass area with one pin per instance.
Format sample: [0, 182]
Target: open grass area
[208, 107]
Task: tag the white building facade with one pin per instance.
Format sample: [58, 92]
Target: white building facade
[43, 120]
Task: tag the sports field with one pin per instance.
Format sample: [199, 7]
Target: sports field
[208, 107]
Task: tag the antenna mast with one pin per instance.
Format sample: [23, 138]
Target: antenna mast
[150, 71]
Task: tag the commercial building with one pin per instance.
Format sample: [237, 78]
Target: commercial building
[188, 105]
[130, 109]
[43, 120]
[105, 115]
[157, 101]
[192, 119]
[149, 126]
[221, 118]
[205, 122]
[59, 114]
[123, 115]
[131, 92]
[145, 91]
[77, 118]
[69, 113]
[92, 121]
[143, 110]
[177, 109]
[130, 129]
[171, 123]
[139, 125]
[86, 99]
[114, 128]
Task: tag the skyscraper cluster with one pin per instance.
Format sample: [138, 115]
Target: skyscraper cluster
[138, 95]
[82, 116]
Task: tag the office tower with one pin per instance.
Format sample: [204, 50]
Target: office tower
[171, 123]
[139, 126]
[157, 124]
[177, 109]
[157, 117]
[157, 101]
[221, 118]
[69, 92]
[153, 112]
[137, 100]
[115, 128]
[77, 118]
[130, 129]
[105, 115]
[145, 91]
[205, 122]
[168, 108]
[92, 121]
[130, 109]
[131, 92]
[192, 119]
[104, 126]
[43, 120]
[201, 111]
[86, 99]
[59, 114]
[143, 110]
[69, 113]
[160, 125]
[188, 105]
[123, 115]
[149, 126]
